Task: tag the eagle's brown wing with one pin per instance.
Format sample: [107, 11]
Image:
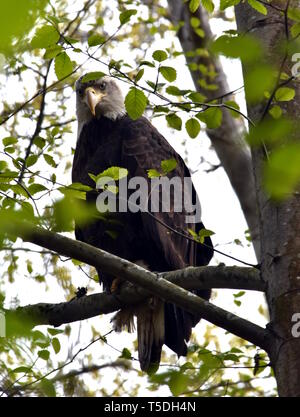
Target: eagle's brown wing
[138, 146]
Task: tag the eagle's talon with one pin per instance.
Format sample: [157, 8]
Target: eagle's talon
[115, 285]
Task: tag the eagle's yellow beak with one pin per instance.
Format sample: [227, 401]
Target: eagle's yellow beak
[93, 97]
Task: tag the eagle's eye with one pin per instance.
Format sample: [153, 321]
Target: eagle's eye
[80, 91]
[102, 85]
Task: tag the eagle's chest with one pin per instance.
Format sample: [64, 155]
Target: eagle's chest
[99, 147]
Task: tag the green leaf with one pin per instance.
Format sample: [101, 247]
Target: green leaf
[50, 161]
[194, 4]
[239, 294]
[285, 94]
[44, 354]
[200, 32]
[76, 190]
[147, 64]
[153, 173]
[195, 22]
[258, 81]
[10, 149]
[168, 165]
[159, 55]
[293, 14]
[230, 357]
[202, 234]
[45, 37]
[178, 383]
[192, 127]
[39, 142]
[243, 46]
[54, 332]
[275, 112]
[196, 97]
[36, 188]
[168, 73]
[233, 104]
[175, 91]
[17, 19]
[9, 141]
[31, 160]
[17, 189]
[3, 165]
[55, 344]
[208, 5]
[53, 51]
[259, 7]
[174, 121]
[68, 209]
[114, 173]
[282, 171]
[228, 3]
[9, 174]
[47, 387]
[126, 354]
[126, 16]
[63, 65]
[135, 103]
[21, 369]
[92, 76]
[40, 339]
[71, 41]
[270, 131]
[139, 75]
[212, 117]
[95, 39]
[295, 30]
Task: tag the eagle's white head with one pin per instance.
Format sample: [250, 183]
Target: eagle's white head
[98, 98]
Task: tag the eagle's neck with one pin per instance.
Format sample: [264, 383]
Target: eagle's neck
[84, 117]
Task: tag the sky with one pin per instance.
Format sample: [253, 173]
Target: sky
[220, 209]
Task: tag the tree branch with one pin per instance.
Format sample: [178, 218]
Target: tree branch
[102, 303]
[39, 122]
[153, 283]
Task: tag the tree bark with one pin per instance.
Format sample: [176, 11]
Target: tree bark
[279, 223]
[227, 140]
[153, 283]
[90, 306]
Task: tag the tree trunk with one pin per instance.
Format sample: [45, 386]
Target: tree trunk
[227, 140]
[279, 223]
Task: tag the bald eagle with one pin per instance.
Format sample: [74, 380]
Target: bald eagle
[108, 137]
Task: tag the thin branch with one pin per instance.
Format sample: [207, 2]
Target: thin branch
[59, 124]
[38, 123]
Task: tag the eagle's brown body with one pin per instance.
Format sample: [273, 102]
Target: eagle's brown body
[139, 237]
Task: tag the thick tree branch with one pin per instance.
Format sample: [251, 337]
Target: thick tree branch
[154, 283]
[102, 303]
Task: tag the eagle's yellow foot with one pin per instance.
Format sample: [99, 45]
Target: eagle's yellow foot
[115, 285]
